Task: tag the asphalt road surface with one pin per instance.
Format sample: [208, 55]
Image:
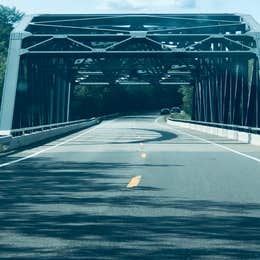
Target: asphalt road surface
[192, 199]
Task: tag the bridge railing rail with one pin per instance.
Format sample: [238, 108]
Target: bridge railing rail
[246, 129]
[40, 128]
[22, 137]
[30, 130]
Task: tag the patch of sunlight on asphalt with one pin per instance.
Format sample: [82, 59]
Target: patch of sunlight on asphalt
[22, 240]
[64, 170]
[55, 209]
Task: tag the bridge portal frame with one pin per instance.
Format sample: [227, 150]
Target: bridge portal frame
[202, 38]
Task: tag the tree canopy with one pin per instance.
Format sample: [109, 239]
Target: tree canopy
[8, 17]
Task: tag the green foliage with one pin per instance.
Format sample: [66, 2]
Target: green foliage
[2, 71]
[187, 93]
[91, 101]
[8, 17]
[180, 116]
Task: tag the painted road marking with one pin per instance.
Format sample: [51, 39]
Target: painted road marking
[134, 182]
[53, 147]
[143, 155]
[210, 142]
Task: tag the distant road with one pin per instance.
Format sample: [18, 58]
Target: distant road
[192, 199]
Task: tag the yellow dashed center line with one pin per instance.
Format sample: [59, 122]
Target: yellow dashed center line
[134, 182]
[143, 155]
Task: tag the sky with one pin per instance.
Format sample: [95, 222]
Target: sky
[136, 6]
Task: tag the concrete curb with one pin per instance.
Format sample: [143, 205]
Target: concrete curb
[4, 142]
[249, 138]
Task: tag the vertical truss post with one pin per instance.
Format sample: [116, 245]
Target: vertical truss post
[225, 96]
[216, 90]
[11, 76]
[221, 90]
[257, 91]
[231, 97]
[62, 99]
[51, 120]
[194, 105]
[201, 115]
[68, 102]
[251, 69]
[205, 99]
[58, 97]
[243, 87]
[211, 93]
[236, 102]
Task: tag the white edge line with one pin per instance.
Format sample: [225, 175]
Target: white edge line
[210, 142]
[52, 147]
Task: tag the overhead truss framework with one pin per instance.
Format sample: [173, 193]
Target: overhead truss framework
[215, 54]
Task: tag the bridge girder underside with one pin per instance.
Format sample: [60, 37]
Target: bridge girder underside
[216, 54]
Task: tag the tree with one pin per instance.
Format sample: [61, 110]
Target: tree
[8, 18]
[187, 94]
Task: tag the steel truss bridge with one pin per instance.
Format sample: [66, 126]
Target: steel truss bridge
[215, 54]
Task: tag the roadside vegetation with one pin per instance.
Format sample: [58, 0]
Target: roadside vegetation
[182, 116]
[186, 92]
[90, 101]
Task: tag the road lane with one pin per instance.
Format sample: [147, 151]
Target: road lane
[194, 200]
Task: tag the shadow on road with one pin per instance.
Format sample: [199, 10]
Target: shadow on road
[53, 210]
[159, 136]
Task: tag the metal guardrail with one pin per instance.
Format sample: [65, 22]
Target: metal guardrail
[26, 136]
[107, 117]
[29, 130]
[253, 130]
